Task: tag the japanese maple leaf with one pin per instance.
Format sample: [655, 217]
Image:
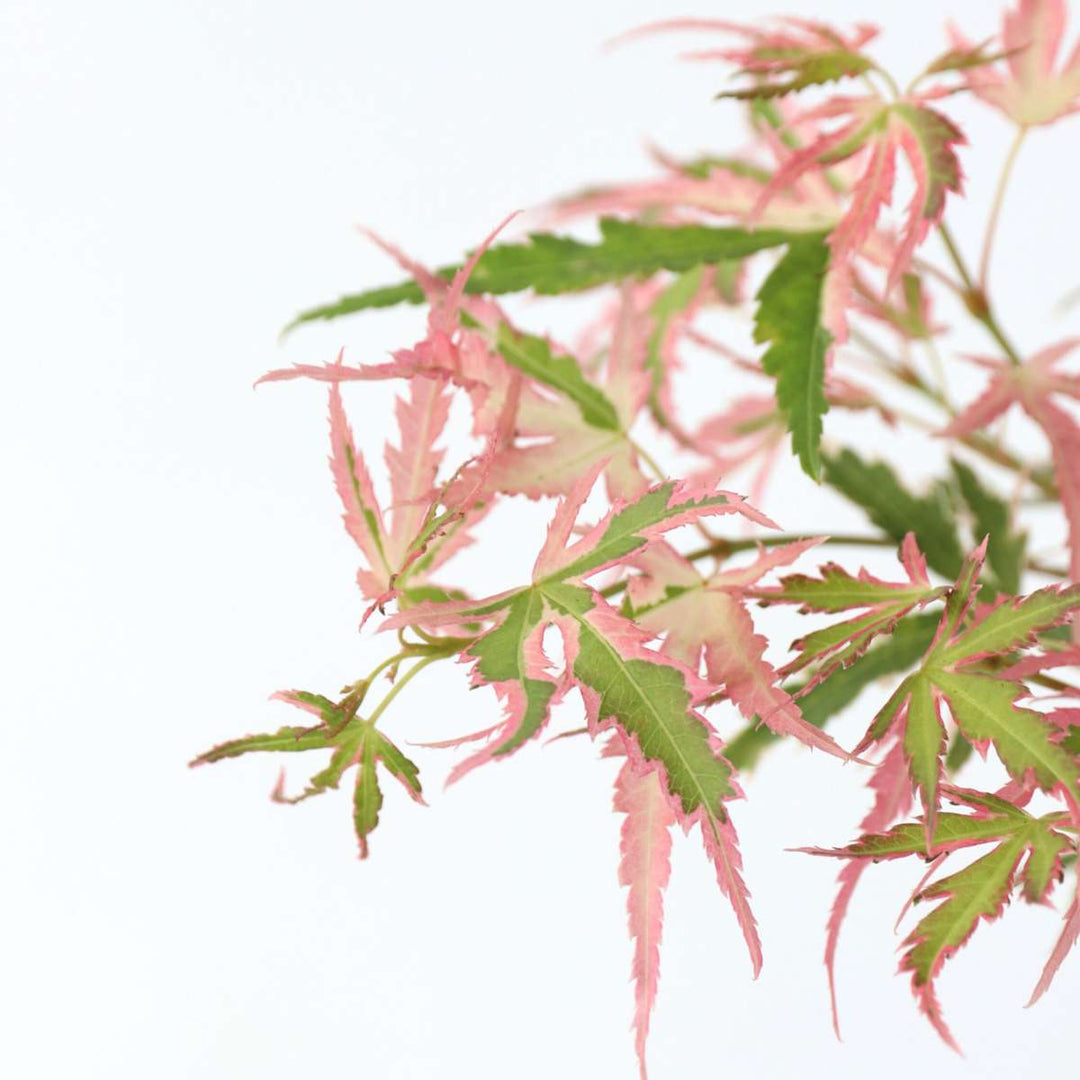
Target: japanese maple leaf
[353, 742]
[450, 349]
[892, 800]
[885, 604]
[871, 131]
[730, 191]
[750, 432]
[877, 133]
[1033, 386]
[907, 311]
[644, 867]
[983, 706]
[573, 441]
[707, 617]
[790, 55]
[664, 309]
[729, 187]
[510, 377]
[977, 893]
[1030, 91]
[646, 698]
[390, 548]
[509, 657]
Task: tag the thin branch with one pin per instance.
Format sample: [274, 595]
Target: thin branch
[976, 300]
[985, 447]
[995, 209]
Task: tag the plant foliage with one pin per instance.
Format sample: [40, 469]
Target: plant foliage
[648, 606]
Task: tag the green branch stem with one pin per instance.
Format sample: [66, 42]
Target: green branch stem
[403, 682]
[995, 208]
[976, 300]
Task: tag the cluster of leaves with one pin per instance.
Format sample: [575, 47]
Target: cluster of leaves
[658, 638]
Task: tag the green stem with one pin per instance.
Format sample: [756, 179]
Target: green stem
[939, 375]
[388, 662]
[995, 208]
[976, 300]
[402, 683]
[649, 460]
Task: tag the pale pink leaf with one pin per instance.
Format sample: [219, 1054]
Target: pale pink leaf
[644, 868]
[892, 800]
[1070, 932]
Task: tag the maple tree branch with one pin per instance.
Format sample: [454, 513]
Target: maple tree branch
[975, 299]
[723, 547]
[985, 447]
[924, 266]
[995, 208]
[403, 682]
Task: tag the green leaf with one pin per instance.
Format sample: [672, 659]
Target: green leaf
[838, 644]
[500, 656]
[837, 590]
[891, 507]
[984, 708]
[924, 744]
[367, 795]
[627, 529]
[978, 892]
[805, 68]
[789, 319]
[648, 700]
[992, 518]
[532, 355]
[1011, 625]
[287, 739]
[1043, 866]
[397, 763]
[550, 265]
[354, 742]
[950, 830]
[963, 58]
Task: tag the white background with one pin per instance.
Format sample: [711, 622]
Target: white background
[177, 180]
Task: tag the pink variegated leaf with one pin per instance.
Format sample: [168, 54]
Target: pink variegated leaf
[707, 617]
[362, 517]
[644, 868]
[597, 433]
[646, 697]
[892, 800]
[878, 132]
[339, 372]
[884, 604]
[353, 742]
[1035, 385]
[1070, 933]
[982, 703]
[1032, 91]
[788, 56]
[414, 464]
[980, 891]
